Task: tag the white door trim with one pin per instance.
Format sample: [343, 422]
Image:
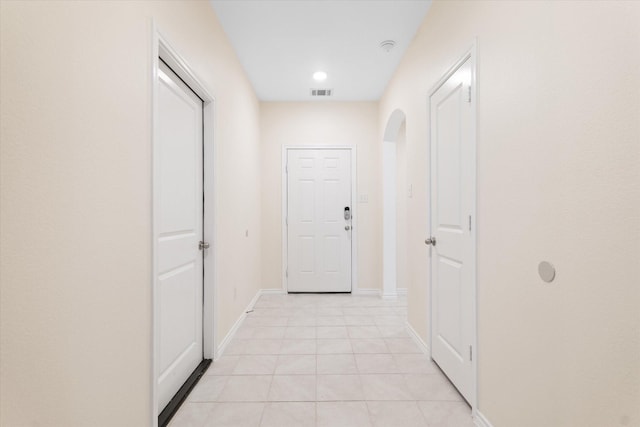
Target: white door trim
[161, 48]
[354, 209]
[471, 55]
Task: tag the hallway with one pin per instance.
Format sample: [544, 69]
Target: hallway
[324, 360]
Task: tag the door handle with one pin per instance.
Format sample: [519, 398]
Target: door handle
[431, 241]
[203, 245]
[346, 227]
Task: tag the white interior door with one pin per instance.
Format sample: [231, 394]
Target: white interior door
[452, 207]
[319, 234]
[179, 231]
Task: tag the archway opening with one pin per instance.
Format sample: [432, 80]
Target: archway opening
[394, 205]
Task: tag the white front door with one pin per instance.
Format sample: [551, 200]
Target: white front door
[319, 230]
[452, 207]
[179, 231]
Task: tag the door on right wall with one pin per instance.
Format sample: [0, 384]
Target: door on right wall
[452, 242]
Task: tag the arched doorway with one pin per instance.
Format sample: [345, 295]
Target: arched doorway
[394, 207]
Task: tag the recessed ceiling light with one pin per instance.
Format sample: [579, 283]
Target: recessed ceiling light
[319, 76]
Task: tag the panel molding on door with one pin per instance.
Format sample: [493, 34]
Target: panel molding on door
[178, 229]
[453, 231]
[317, 239]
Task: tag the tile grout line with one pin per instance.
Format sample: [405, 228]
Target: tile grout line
[378, 324]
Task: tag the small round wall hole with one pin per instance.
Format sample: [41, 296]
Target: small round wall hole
[547, 271]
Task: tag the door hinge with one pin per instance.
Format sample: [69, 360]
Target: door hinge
[286, 167]
[286, 221]
[286, 273]
[471, 353]
[469, 94]
[469, 222]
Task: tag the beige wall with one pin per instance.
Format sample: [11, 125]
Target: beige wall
[75, 345]
[558, 180]
[326, 123]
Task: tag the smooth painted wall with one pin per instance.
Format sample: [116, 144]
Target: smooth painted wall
[76, 310]
[322, 123]
[558, 180]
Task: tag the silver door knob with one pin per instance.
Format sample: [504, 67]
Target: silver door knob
[431, 241]
[203, 245]
[346, 227]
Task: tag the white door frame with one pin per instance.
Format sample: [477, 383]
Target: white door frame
[471, 55]
[354, 209]
[161, 48]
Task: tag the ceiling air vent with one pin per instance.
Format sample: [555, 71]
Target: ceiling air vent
[320, 92]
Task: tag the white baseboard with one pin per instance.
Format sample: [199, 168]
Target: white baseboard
[253, 301]
[398, 292]
[369, 292]
[227, 339]
[272, 291]
[480, 420]
[232, 332]
[418, 340]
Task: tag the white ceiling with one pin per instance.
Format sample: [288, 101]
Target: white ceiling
[281, 43]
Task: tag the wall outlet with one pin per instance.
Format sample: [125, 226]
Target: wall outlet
[410, 191]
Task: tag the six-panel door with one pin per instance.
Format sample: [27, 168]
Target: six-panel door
[318, 234]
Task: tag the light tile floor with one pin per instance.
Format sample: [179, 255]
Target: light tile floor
[324, 360]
